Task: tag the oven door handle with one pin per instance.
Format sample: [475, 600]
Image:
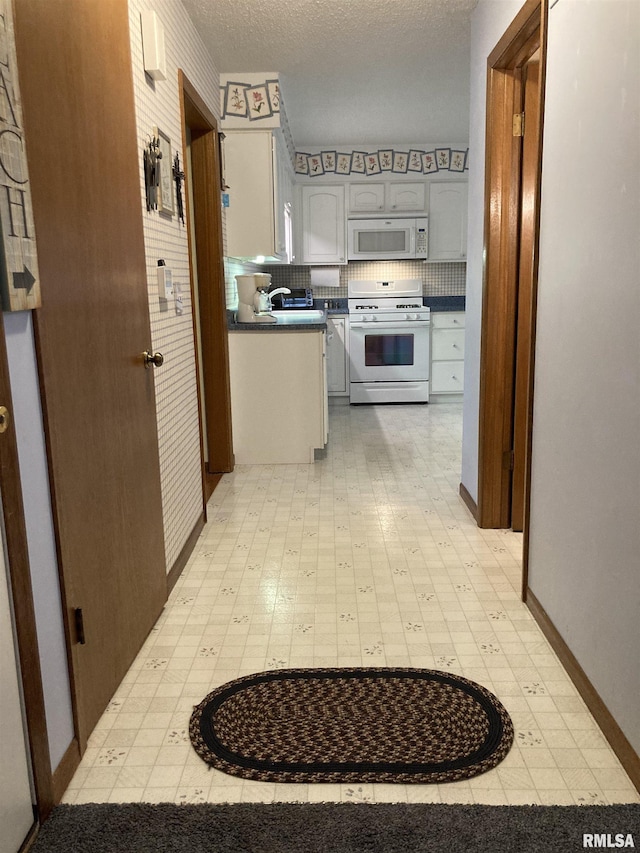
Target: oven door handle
[384, 325]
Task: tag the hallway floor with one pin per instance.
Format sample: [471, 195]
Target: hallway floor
[368, 557]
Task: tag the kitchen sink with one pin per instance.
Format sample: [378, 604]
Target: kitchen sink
[304, 316]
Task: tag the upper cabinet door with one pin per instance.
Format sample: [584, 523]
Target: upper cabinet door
[323, 225]
[448, 221]
[403, 197]
[366, 198]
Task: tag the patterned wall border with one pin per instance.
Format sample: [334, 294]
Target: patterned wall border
[384, 160]
[250, 101]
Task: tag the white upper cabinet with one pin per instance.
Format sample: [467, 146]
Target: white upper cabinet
[405, 197]
[260, 181]
[324, 231]
[448, 221]
[366, 198]
[390, 197]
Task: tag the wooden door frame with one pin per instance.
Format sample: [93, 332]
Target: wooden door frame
[503, 155]
[22, 599]
[206, 232]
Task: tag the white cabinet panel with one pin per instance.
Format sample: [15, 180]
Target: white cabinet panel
[447, 344]
[447, 377]
[389, 197]
[447, 353]
[366, 198]
[258, 219]
[405, 197]
[338, 356]
[278, 396]
[447, 320]
[323, 225]
[448, 221]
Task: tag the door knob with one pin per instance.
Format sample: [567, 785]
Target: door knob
[157, 359]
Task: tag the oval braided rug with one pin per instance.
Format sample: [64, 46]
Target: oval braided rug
[351, 725]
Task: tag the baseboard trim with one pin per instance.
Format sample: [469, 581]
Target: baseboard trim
[469, 502]
[183, 556]
[627, 756]
[63, 773]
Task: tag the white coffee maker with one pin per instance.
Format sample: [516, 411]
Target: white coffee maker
[253, 299]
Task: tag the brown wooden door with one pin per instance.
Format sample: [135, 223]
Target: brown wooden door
[204, 225]
[527, 271]
[75, 73]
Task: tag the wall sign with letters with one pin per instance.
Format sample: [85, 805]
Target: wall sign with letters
[19, 276]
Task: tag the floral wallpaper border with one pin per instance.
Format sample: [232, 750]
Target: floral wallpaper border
[250, 101]
[384, 160]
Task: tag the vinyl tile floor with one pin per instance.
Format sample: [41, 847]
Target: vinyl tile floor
[367, 557]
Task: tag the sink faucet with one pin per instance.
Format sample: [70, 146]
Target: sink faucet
[273, 293]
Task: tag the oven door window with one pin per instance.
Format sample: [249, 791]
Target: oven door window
[388, 350]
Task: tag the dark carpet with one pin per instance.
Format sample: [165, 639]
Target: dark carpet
[340, 828]
[352, 724]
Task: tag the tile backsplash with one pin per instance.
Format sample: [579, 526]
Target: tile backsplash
[447, 279]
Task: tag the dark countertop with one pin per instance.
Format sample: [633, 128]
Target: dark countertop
[336, 307]
[234, 326]
[444, 303]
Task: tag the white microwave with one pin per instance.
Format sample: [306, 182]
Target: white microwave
[387, 239]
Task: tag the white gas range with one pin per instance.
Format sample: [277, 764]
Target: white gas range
[389, 333]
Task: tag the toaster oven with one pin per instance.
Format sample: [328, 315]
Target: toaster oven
[300, 297]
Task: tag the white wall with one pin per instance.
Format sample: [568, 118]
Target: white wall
[489, 21]
[585, 519]
[158, 104]
[585, 512]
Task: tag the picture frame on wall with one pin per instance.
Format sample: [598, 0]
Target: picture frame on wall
[429, 162]
[302, 164]
[443, 158]
[315, 165]
[273, 90]
[385, 158]
[415, 161]
[457, 161]
[329, 161]
[235, 100]
[372, 164]
[258, 104]
[343, 163]
[358, 162]
[166, 184]
[400, 162]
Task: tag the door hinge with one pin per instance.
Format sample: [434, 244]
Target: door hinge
[508, 459]
[79, 622]
[518, 124]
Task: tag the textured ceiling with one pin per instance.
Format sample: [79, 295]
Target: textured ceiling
[352, 71]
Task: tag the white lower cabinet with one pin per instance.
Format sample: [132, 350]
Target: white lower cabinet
[278, 396]
[338, 356]
[447, 353]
